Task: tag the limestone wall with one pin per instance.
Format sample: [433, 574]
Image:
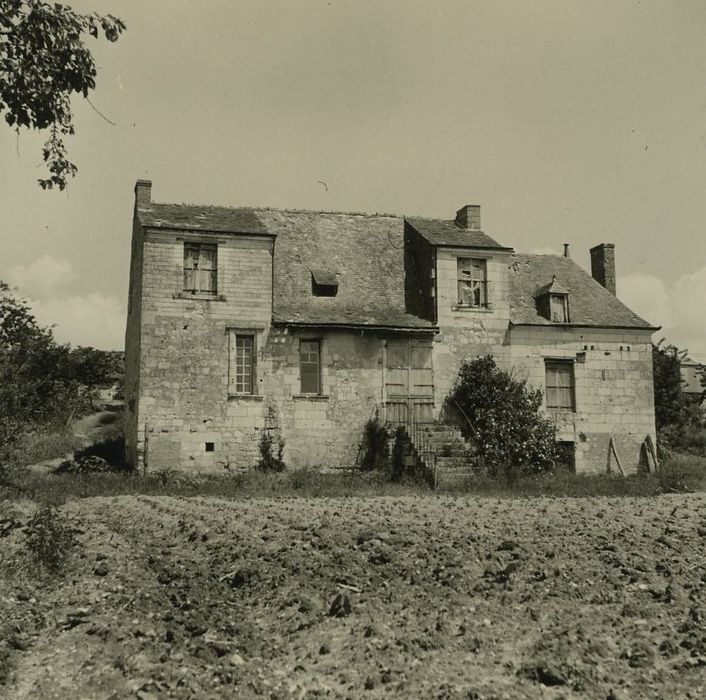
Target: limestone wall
[613, 388]
[466, 333]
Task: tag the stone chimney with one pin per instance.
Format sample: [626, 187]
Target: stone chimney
[469, 216]
[603, 265]
[567, 253]
[143, 194]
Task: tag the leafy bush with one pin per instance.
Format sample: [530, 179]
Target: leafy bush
[269, 461]
[501, 416]
[49, 538]
[375, 446]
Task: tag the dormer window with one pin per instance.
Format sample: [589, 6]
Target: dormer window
[472, 282]
[553, 302]
[324, 283]
[559, 306]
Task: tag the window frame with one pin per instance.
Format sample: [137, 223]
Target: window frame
[563, 364]
[319, 378]
[233, 335]
[564, 300]
[483, 300]
[200, 245]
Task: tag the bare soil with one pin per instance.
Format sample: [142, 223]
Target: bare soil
[416, 597]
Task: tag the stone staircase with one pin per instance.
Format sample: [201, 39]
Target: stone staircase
[444, 452]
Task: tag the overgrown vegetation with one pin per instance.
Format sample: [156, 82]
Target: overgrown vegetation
[680, 421]
[501, 415]
[49, 539]
[681, 474]
[375, 448]
[43, 384]
[271, 448]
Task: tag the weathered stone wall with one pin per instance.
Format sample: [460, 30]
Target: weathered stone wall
[133, 446]
[466, 333]
[613, 388]
[184, 402]
[184, 346]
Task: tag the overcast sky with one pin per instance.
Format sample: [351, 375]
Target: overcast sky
[578, 122]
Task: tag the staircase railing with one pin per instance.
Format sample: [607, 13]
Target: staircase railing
[398, 414]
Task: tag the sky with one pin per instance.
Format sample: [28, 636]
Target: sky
[568, 122]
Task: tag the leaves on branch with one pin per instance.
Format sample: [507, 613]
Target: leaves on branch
[43, 60]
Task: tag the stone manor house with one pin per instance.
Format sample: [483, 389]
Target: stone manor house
[307, 324]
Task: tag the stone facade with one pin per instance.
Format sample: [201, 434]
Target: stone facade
[183, 405]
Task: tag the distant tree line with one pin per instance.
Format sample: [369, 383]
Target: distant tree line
[43, 384]
[680, 420]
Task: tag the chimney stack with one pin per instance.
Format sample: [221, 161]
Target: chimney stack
[469, 216]
[603, 265]
[566, 250]
[143, 194]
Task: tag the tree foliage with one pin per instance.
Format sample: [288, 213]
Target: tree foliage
[43, 60]
[41, 382]
[680, 421]
[501, 414]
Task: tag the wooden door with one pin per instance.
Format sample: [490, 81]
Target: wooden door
[409, 381]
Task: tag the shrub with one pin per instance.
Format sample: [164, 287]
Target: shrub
[501, 415]
[375, 446]
[398, 469]
[50, 539]
[269, 461]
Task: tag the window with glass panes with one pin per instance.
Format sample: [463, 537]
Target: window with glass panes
[200, 268]
[472, 282]
[310, 366]
[244, 364]
[560, 385]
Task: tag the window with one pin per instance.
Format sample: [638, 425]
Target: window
[200, 268]
[472, 282]
[559, 308]
[310, 366]
[560, 385]
[242, 363]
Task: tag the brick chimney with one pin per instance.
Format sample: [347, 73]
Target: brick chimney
[143, 194]
[469, 216]
[603, 265]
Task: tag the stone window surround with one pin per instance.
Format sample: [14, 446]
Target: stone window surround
[211, 246]
[320, 393]
[243, 329]
[566, 361]
[486, 306]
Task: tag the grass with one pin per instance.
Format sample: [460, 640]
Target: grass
[681, 474]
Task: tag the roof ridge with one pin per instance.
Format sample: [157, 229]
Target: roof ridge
[281, 209]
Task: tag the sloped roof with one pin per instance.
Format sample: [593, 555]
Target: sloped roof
[194, 217]
[449, 233]
[590, 303]
[553, 287]
[363, 253]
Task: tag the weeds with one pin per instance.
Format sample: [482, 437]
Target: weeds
[269, 461]
[49, 539]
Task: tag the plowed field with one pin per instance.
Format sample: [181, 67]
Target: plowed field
[415, 597]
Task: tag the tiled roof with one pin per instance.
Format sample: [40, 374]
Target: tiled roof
[363, 253]
[366, 254]
[202, 218]
[590, 304]
[449, 233]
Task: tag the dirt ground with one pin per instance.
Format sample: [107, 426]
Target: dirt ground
[417, 597]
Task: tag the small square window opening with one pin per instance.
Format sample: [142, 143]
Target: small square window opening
[210, 446]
